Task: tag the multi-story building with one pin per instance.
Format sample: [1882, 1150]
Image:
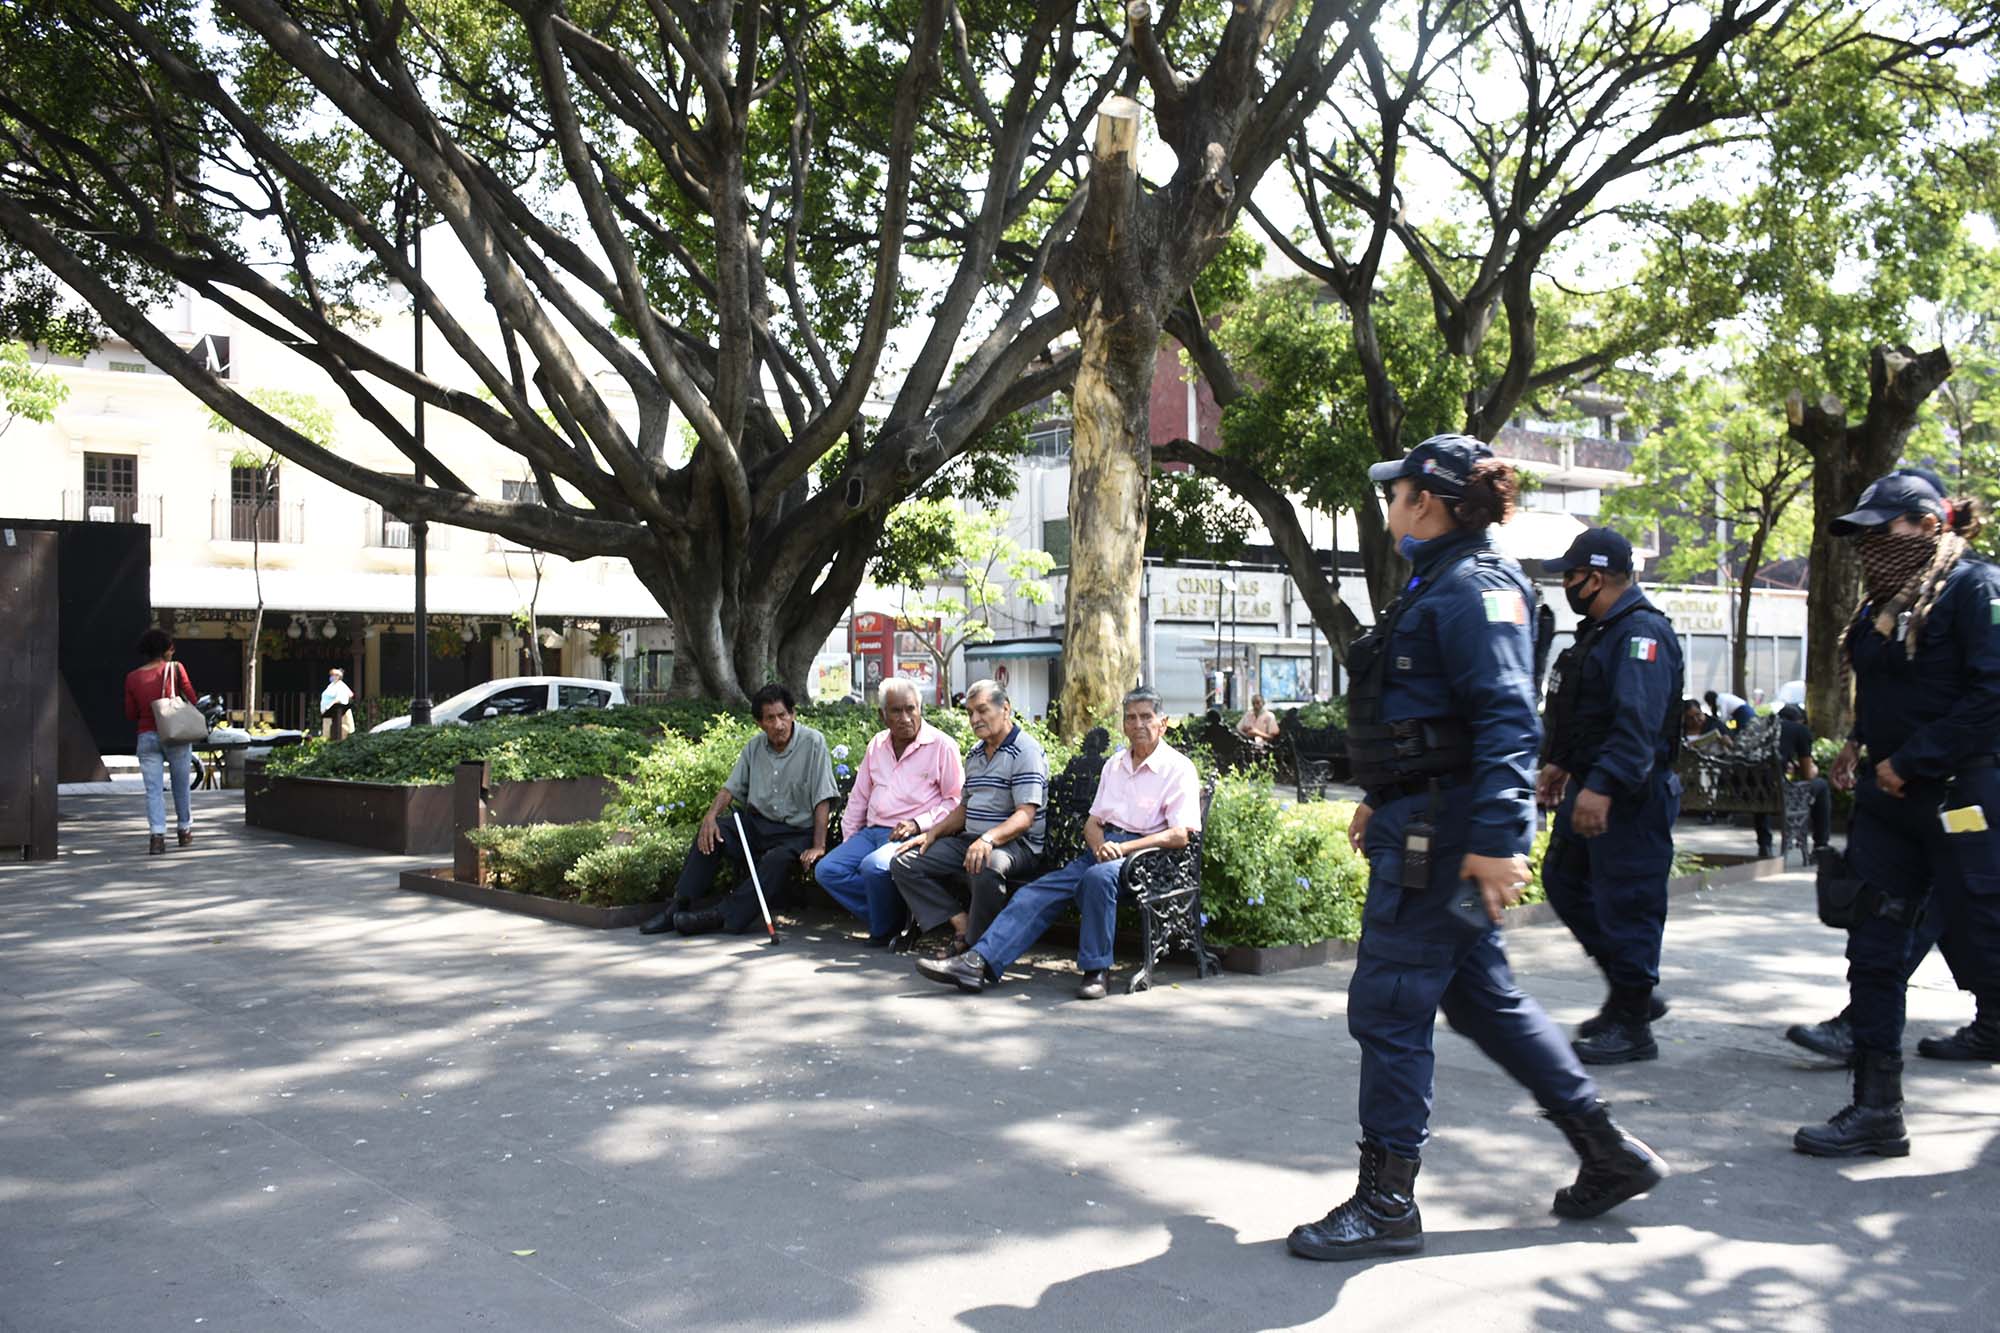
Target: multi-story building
[335, 572]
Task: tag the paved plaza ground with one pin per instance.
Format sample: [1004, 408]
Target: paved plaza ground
[254, 1086]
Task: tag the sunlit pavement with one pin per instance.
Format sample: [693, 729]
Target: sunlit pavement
[252, 1085]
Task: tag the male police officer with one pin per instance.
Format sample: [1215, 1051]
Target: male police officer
[1614, 729]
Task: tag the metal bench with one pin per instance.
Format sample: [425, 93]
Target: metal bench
[1318, 756]
[1740, 773]
[1164, 885]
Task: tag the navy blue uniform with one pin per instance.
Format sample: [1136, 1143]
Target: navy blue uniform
[1932, 856]
[1611, 890]
[1462, 649]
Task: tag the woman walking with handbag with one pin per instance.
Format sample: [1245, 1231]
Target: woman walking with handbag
[160, 698]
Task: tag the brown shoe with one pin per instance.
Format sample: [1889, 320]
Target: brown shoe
[156, 843]
[184, 837]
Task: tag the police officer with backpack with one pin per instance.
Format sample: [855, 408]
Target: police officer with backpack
[1442, 736]
[1614, 731]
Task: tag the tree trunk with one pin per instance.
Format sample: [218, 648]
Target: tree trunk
[1740, 650]
[1110, 447]
[1846, 457]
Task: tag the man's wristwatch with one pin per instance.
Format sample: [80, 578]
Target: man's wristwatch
[987, 838]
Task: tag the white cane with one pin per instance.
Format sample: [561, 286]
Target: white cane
[743, 840]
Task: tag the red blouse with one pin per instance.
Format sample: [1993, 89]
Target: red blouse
[145, 684]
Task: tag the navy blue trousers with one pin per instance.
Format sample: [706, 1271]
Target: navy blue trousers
[1416, 957]
[1901, 846]
[1611, 890]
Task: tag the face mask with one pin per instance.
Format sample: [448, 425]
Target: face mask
[1408, 547]
[1889, 560]
[1579, 600]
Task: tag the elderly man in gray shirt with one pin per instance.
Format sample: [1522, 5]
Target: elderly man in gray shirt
[786, 780]
[962, 868]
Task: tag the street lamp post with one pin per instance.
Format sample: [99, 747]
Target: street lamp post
[420, 677]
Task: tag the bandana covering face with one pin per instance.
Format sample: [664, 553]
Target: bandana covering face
[1905, 572]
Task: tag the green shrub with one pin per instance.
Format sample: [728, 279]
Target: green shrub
[535, 858]
[1274, 875]
[619, 874]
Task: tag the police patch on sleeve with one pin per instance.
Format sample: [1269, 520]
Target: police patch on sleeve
[1505, 607]
[1642, 650]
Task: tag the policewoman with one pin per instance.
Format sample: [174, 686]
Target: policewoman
[1442, 735]
[1924, 648]
[1614, 730]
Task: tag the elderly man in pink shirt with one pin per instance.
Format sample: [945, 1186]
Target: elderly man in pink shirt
[1148, 796]
[909, 778]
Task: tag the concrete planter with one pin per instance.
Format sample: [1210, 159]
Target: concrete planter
[1286, 957]
[406, 820]
[439, 882]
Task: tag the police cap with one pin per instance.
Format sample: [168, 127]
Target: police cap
[1594, 548]
[1443, 463]
[1904, 491]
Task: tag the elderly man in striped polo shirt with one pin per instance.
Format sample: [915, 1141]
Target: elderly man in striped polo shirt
[1149, 796]
[962, 867]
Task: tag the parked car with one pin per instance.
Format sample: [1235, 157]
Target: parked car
[515, 696]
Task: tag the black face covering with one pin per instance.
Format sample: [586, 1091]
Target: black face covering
[1579, 600]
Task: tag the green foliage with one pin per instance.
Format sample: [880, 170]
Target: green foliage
[1228, 277]
[570, 744]
[1717, 456]
[1192, 517]
[534, 858]
[959, 569]
[619, 874]
[26, 391]
[1275, 875]
[301, 411]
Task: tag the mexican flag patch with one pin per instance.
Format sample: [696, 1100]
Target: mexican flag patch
[1643, 650]
[1505, 608]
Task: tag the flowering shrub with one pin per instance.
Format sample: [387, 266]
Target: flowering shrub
[1274, 875]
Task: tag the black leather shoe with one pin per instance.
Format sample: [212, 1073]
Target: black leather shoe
[1656, 1009]
[156, 844]
[1872, 1122]
[704, 921]
[1833, 1039]
[663, 921]
[1623, 1042]
[1978, 1040]
[1616, 1166]
[906, 939]
[880, 941]
[967, 971]
[1381, 1219]
[1095, 984]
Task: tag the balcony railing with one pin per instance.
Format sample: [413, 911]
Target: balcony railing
[384, 531]
[242, 521]
[99, 507]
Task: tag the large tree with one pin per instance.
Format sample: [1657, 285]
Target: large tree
[1567, 132]
[728, 209]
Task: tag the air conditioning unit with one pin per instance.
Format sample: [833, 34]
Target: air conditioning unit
[103, 514]
[395, 532]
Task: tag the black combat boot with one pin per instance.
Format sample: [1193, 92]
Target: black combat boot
[1627, 1034]
[1616, 1166]
[1977, 1040]
[1381, 1219]
[1656, 1009]
[1833, 1039]
[1872, 1123]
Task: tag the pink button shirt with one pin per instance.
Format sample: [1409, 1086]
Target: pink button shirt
[1163, 792]
[923, 784]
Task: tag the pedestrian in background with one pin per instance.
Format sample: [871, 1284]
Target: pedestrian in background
[161, 678]
[336, 708]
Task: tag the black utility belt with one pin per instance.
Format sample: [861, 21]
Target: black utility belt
[1972, 765]
[1424, 786]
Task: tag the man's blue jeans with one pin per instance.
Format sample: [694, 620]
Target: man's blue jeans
[1088, 882]
[856, 875]
[156, 763]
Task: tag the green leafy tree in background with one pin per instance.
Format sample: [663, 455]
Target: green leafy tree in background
[968, 569]
[1727, 488]
[26, 391]
[1576, 136]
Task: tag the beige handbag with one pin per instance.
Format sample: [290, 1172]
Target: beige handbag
[177, 721]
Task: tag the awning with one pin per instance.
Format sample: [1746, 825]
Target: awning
[206, 588]
[1019, 648]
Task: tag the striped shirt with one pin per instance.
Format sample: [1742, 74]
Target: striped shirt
[1014, 775]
